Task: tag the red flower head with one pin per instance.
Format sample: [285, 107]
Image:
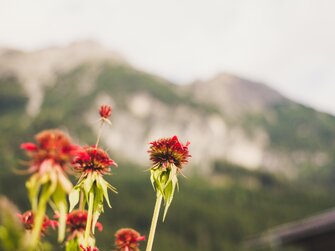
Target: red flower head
[76, 223]
[127, 239]
[92, 159]
[166, 151]
[105, 111]
[89, 248]
[27, 219]
[52, 145]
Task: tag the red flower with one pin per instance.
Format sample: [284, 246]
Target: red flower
[127, 239]
[52, 145]
[27, 220]
[105, 111]
[92, 159]
[166, 151]
[89, 248]
[76, 223]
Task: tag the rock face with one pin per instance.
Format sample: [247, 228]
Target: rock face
[234, 95]
[225, 118]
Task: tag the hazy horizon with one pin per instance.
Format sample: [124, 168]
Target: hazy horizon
[287, 45]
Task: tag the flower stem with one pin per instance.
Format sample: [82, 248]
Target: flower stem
[81, 201]
[99, 133]
[38, 220]
[154, 222]
[89, 217]
[62, 221]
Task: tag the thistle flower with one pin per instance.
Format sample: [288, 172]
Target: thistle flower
[50, 158]
[105, 111]
[92, 163]
[52, 145]
[27, 219]
[167, 152]
[168, 156]
[76, 223]
[92, 159]
[127, 239]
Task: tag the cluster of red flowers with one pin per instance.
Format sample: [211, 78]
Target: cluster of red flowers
[166, 151]
[51, 145]
[27, 219]
[54, 150]
[90, 159]
[127, 239]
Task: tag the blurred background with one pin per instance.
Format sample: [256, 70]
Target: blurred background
[249, 83]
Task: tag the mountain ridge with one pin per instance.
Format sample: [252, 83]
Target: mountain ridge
[226, 117]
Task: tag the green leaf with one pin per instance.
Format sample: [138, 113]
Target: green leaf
[98, 207]
[59, 198]
[87, 183]
[110, 187]
[169, 189]
[33, 185]
[72, 245]
[152, 179]
[168, 196]
[103, 186]
[64, 181]
[74, 197]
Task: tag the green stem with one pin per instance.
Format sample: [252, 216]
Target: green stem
[154, 222]
[99, 133]
[38, 220]
[89, 217]
[81, 201]
[62, 221]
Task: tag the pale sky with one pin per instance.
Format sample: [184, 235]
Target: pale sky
[287, 44]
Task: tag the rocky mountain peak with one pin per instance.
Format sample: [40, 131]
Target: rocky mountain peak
[236, 95]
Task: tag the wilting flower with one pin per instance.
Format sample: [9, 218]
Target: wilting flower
[76, 223]
[89, 248]
[51, 145]
[27, 219]
[92, 163]
[92, 159]
[50, 157]
[105, 111]
[168, 156]
[127, 239]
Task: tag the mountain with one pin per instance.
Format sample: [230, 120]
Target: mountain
[225, 118]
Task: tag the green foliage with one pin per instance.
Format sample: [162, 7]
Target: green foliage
[206, 217]
[292, 126]
[12, 96]
[11, 231]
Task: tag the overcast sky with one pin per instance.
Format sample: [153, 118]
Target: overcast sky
[287, 44]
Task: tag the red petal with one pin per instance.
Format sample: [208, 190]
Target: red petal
[28, 146]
